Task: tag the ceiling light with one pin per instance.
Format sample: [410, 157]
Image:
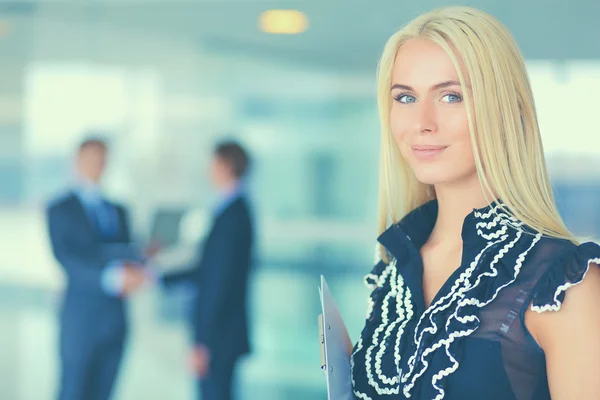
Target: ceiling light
[287, 22]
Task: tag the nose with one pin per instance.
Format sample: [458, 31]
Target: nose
[425, 119]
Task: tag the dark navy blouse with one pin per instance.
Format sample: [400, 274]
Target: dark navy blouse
[471, 343]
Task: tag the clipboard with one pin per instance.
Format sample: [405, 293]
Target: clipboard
[336, 347]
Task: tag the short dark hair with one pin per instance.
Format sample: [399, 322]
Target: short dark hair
[93, 141]
[235, 155]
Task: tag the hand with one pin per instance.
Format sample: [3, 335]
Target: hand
[134, 277]
[153, 275]
[200, 361]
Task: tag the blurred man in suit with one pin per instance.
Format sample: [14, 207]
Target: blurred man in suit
[219, 317]
[90, 238]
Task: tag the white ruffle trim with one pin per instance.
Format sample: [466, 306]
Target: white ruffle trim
[557, 304]
[390, 385]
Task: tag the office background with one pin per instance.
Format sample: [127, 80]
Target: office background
[167, 79]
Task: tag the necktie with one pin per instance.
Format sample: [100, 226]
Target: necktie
[105, 219]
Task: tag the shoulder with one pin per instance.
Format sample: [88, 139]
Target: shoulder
[381, 270]
[567, 291]
[565, 320]
[242, 204]
[59, 201]
[560, 265]
[235, 219]
[117, 202]
[120, 207]
[238, 210]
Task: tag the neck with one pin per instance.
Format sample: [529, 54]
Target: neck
[455, 202]
[87, 182]
[229, 187]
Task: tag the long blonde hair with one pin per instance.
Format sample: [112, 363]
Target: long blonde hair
[505, 135]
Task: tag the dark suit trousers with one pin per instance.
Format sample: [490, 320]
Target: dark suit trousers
[89, 369]
[217, 385]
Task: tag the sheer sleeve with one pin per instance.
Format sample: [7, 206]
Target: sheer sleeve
[566, 271]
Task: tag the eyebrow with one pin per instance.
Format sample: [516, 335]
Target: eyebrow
[434, 87]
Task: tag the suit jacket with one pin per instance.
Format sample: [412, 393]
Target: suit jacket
[219, 316]
[83, 254]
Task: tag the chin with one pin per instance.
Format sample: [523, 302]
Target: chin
[431, 180]
[430, 174]
[435, 176]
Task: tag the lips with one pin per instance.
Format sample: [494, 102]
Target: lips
[427, 151]
[424, 147]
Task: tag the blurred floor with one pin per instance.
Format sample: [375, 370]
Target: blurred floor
[285, 364]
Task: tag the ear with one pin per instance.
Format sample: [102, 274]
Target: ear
[230, 170]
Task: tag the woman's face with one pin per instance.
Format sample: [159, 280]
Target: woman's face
[428, 115]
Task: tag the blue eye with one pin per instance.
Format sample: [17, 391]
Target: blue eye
[452, 98]
[405, 98]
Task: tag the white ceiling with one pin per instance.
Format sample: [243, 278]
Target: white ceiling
[344, 34]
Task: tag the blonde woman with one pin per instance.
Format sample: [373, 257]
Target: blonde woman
[480, 291]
